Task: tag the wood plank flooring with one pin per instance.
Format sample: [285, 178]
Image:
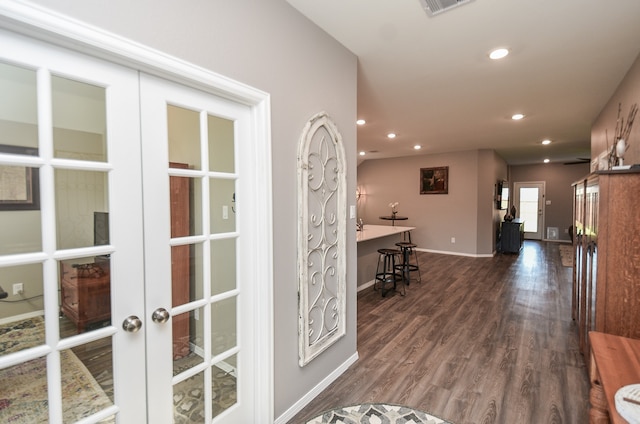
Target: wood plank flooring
[479, 340]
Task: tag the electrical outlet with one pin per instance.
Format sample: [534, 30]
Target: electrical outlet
[225, 212]
[453, 239]
[18, 288]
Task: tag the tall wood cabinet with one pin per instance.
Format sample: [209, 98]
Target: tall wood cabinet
[606, 272]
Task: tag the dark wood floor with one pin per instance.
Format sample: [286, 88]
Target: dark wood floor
[480, 340]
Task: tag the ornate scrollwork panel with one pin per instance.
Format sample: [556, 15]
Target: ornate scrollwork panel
[321, 237]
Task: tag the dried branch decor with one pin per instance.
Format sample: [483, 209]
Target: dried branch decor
[621, 137]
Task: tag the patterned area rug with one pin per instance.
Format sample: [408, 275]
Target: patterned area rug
[376, 413]
[23, 388]
[21, 335]
[566, 254]
[188, 396]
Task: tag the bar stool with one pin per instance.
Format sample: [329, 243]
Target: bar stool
[406, 267]
[388, 273]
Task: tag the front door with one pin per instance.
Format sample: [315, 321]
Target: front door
[529, 199]
[121, 227]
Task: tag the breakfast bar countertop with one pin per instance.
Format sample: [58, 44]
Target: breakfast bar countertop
[371, 232]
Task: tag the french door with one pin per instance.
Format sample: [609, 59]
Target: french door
[210, 348]
[529, 198]
[123, 216]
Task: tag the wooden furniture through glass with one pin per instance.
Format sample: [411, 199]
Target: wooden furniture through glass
[615, 363]
[394, 218]
[85, 292]
[180, 193]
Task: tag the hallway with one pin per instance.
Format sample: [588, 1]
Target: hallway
[480, 340]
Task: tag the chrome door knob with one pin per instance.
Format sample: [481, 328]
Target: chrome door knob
[132, 324]
[160, 316]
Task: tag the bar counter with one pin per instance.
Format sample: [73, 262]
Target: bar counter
[376, 231]
[370, 239]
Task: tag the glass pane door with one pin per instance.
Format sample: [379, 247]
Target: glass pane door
[67, 276]
[190, 139]
[529, 198]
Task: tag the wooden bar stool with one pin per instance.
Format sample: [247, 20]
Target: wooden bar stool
[408, 249]
[388, 274]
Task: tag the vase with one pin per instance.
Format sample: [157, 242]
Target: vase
[513, 211]
[621, 148]
[393, 214]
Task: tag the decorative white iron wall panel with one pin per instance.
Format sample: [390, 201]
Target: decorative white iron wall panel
[322, 215]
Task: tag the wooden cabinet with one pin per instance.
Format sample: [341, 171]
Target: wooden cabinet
[512, 236]
[606, 291]
[586, 209]
[85, 291]
[614, 363]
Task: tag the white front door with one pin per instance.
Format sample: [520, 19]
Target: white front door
[133, 225]
[529, 201]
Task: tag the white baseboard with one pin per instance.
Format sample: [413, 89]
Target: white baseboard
[224, 366]
[445, 252]
[21, 317]
[304, 401]
[366, 285]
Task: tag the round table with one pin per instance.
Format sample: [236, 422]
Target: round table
[394, 218]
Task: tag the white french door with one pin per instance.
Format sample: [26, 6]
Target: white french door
[162, 293]
[199, 139]
[529, 198]
[76, 117]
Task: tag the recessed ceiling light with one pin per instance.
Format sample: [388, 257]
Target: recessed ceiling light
[391, 135]
[547, 141]
[362, 153]
[498, 53]
[417, 147]
[546, 161]
[517, 116]
[361, 122]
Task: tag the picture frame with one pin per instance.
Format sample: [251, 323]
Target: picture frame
[434, 180]
[19, 186]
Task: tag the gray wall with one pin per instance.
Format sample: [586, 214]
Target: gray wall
[466, 213]
[558, 178]
[268, 45]
[603, 129]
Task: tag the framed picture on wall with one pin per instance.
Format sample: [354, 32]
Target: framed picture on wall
[19, 185]
[434, 180]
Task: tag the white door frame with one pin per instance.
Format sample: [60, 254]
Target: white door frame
[41, 23]
[539, 235]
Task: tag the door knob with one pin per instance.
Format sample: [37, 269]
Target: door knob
[160, 316]
[132, 324]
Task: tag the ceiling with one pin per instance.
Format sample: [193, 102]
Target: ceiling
[429, 79]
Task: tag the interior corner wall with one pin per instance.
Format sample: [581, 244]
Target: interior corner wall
[558, 191]
[266, 44]
[438, 218]
[491, 169]
[603, 129]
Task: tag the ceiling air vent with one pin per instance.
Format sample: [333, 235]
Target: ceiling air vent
[435, 7]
